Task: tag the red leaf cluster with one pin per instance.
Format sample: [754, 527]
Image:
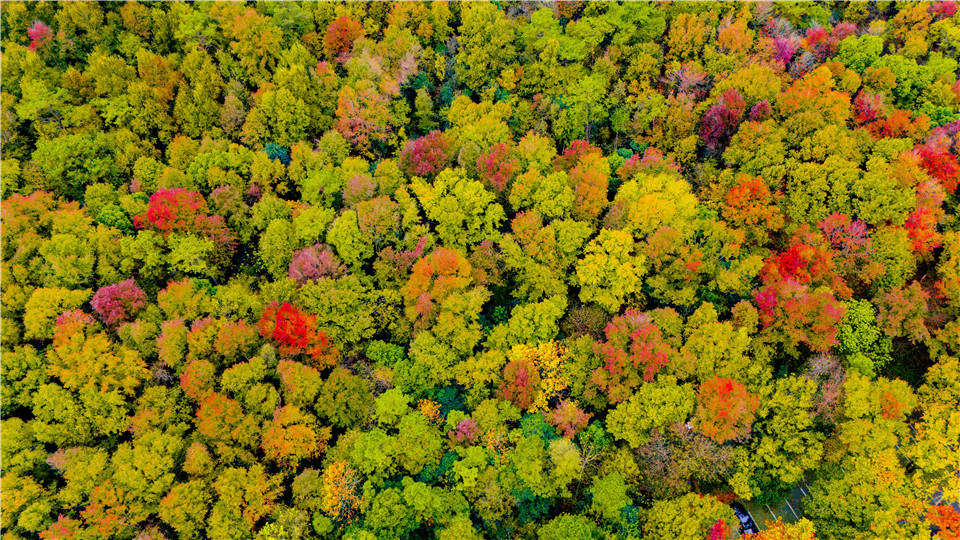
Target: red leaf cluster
[521, 379]
[496, 168]
[119, 302]
[725, 409]
[296, 333]
[339, 37]
[633, 352]
[722, 119]
[426, 156]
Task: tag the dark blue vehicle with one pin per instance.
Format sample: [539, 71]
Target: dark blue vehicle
[747, 525]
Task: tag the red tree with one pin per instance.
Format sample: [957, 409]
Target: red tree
[719, 531]
[569, 418]
[941, 165]
[808, 260]
[722, 119]
[426, 156]
[296, 333]
[725, 409]
[794, 314]
[574, 154]
[172, 210]
[119, 302]
[921, 226]
[339, 38]
[633, 352]
[947, 519]
[497, 168]
[39, 34]
[521, 380]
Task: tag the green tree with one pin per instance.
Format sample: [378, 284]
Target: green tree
[465, 212]
[610, 272]
[654, 405]
[787, 445]
[688, 517]
[487, 38]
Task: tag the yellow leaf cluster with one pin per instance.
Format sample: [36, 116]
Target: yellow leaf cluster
[430, 409]
[548, 358]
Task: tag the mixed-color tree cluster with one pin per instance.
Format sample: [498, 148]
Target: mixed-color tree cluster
[555, 270]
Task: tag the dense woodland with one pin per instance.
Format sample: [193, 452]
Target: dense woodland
[479, 270]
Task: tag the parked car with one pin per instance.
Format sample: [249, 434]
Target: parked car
[747, 525]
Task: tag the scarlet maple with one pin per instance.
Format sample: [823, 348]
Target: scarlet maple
[339, 37]
[725, 409]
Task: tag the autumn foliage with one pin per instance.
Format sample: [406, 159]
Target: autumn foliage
[296, 333]
[339, 37]
[634, 351]
[725, 409]
[427, 155]
[462, 270]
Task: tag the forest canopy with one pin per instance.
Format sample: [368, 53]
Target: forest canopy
[457, 270]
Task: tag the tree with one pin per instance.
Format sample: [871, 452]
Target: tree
[609, 496]
[426, 156]
[542, 255]
[98, 380]
[22, 374]
[654, 405]
[548, 195]
[902, 312]
[300, 384]
[778, 530]
[689, 517]
[344, 399]
[277, 117]
[787, 444]
[861, 341]
[534, 376]
[440, 281]
[465, 212]
[589, 176]
[340, 492]
[567, 526]
[339, 38]
[119, 302]
[364, 116]
[569, 418]
[946, 518]
[296, 333]
[633, 352]
[315, 262]
[793, 314]
[45, 306]
[345, 235]
[649, 202]
[722, 120]
[218, 417]
[521, 380]
[609, 259]
[70, 162]
[344, 309]
[487, 40]
[244, 497]
[725, 410]
[292, 437]
[751, 207]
